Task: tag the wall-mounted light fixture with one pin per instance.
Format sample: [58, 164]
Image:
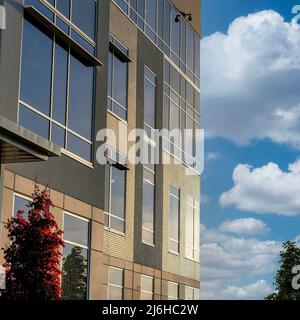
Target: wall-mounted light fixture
[185, 15]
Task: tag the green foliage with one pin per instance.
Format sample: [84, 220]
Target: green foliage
[289, 258]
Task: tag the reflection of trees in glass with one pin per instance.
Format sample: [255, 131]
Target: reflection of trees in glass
[74, 275]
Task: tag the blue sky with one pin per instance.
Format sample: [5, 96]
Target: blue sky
[263, 107]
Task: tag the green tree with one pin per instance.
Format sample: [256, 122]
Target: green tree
[74, 275]
[289, 258]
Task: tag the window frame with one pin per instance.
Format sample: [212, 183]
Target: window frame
[178, 231]
[109, 214]
[114, 285]
[162, 38]
[154, 196]
[145, 291]
[194, 290]
[49, 118]
[172, 297]
[116, 53]
[154, 84]
[88, 248]
[196, 215]
[16, 194]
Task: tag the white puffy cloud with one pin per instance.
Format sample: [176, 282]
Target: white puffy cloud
[266, 189]
[250, 80]
[227, 260]
[244, 226]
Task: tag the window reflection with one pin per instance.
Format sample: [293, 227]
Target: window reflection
[149, 100]
[36, 68]
[148, 207]
[75, 258]
[146, 287]
[84, 16]
[115, 284]
[37, 111]
[115, 198]
[117, 80]
[192, 229]
[157, 18]
[21, 204]
[174, 211]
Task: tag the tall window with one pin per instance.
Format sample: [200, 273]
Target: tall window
[192, 229]
[149, 101]
[147, 286]
[75, 258]
[174, 214]
[148, 206]
[117, 78]
[158, 19]
[192, 293]
[56, 92]
[115, 284]
[173, 291]
[181, 111]
[115, 198]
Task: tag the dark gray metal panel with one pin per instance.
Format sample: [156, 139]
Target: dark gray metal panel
[63, 174]
[149, 55]
[10, 59]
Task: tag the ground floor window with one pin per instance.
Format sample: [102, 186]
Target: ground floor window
[115, 284]
[75, 258]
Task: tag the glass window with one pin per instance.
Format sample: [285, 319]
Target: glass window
[190, 48]
[115, 200]
[149, 100]
[115, 284]
[175, 32]
[174, 214]
[84, 16]
[21, 204]
[60, 84]
[173, 291]
[64, 7]
[33, 122]
[175, 37]
[146, 287]
[117, 84]
[160, 17]
[151, 13]
[36, 68]
[192, 293]
[167, 13]
[81, 98]
[38, 84]
[75, 258]
[148, 207]
[192, 229]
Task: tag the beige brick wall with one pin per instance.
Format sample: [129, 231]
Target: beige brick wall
[121, 246]
[189, 185]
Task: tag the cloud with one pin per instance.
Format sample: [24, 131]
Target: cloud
[244, 226]
[227, 260]
[267, 189]
[213, 156]
[250, 80]
[215, 290]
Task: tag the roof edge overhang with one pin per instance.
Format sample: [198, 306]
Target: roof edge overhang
[18, 144]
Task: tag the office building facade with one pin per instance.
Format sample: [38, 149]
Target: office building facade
[69, 68]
